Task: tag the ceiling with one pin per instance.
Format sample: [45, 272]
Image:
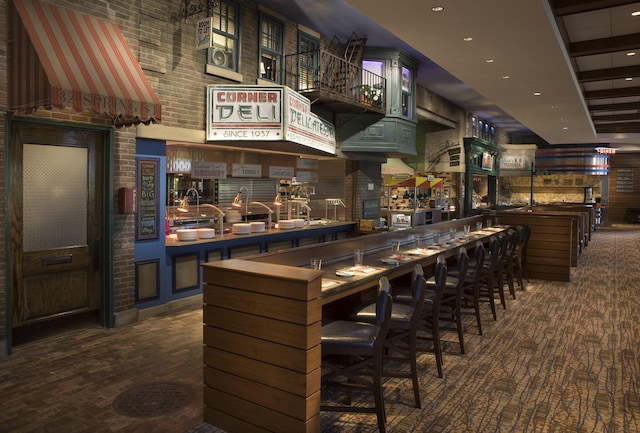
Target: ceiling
[572, 52]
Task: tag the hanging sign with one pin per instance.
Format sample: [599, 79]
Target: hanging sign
[266, 113]
[251, 113]
[246, 170]
[208, 170]
[204, 35]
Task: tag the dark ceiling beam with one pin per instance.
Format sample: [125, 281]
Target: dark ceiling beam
[569, 7]
[605, 45]
[625, 106]
[612, 93]
[618, 128]
[616, 117]
[609, 74]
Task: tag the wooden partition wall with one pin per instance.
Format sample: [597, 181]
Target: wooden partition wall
[552, 247]
[261, 347]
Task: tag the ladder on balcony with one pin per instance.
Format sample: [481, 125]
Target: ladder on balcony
[345, 72]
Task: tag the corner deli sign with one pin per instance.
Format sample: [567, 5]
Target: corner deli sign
[266, 113]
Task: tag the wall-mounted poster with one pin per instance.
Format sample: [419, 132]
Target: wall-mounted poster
[147, 224]
[487, 161]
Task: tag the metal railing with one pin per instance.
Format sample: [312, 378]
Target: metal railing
[320, 72]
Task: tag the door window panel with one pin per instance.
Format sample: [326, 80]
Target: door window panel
[55, 196]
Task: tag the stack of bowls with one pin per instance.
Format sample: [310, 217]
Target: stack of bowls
[286, 224]
[206, 233]
[257, 226]
[241, 229]
[187, 234]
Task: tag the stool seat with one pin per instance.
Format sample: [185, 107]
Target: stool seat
[344, 337]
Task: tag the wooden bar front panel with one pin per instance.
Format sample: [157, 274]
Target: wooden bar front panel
[262, 347]
[551, 246]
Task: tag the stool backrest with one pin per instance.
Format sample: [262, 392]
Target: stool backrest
[384, 303]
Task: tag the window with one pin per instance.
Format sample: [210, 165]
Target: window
[224, 53]
[373, 85]
[308, 60]
[483, 129]
[407, 86]
[270, 49]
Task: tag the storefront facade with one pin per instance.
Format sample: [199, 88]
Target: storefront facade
[145, 136]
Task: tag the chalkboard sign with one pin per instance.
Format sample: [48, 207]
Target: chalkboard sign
[147, 227]
[371, 209]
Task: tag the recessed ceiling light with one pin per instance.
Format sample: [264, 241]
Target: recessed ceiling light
[631, 53]
[635, 14]
[437, 9]
[537, 93]
[505, 77]
[565, 128]
[628, 79]
[467, 39]
[488, 61]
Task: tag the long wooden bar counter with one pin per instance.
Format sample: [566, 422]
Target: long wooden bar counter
[263, 317]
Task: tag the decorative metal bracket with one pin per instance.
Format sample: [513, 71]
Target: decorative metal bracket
[189, 8]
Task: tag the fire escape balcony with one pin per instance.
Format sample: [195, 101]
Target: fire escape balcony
[335, 83]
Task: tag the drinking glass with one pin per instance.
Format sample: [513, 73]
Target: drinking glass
[478, 226]
[467, 229]
[489, 222]
[436, 238]
[316, 263]
[357, 257]
[395, 247]
[452, 233]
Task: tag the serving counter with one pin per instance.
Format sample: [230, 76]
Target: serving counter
[263, 317]
[183, 258]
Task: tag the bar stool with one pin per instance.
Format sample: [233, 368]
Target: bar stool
[400, 344]
[352, 356]
[470, 293]
[450, 305]
[429, 328]
[518, 264]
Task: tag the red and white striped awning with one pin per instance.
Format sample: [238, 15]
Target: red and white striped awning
[64, 58]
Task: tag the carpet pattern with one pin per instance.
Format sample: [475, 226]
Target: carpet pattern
[563, 357]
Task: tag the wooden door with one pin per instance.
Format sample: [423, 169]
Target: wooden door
[56, 221]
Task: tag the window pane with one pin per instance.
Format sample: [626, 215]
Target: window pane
[268, 67]
[224, 18]
[270, 36]
[406, 80]
[55, 214]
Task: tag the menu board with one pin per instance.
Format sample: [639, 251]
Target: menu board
[624, 180]
[147, 226]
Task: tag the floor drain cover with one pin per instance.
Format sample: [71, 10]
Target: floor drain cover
[153, 399]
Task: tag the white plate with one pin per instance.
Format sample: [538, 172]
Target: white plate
[344, 273]
[390, 261]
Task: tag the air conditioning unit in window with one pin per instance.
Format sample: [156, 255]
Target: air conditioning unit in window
[220, 57]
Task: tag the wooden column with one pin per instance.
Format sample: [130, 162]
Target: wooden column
[262, 347]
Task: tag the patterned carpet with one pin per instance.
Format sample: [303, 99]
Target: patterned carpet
[563, 357]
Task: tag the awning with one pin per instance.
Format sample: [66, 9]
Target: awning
[63, 58]
[396, 166]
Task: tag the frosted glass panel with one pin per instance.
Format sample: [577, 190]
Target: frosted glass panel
[54, 196]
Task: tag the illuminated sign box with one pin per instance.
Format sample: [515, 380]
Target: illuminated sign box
[266, 113]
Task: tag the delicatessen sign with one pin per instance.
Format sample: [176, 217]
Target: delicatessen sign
[266, 113]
